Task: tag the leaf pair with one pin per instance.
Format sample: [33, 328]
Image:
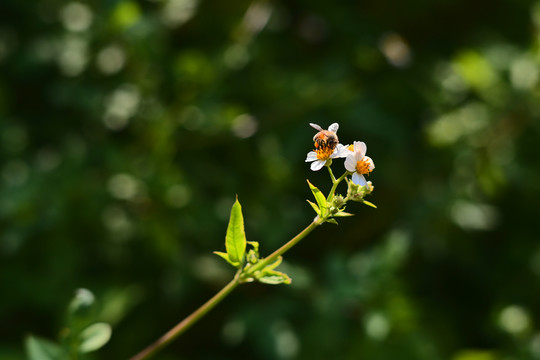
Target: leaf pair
[91, 339]
[325, 209]
[321, 208]
[235, 245]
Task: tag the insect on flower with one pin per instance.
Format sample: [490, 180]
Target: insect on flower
[327, 147]
[326, 138]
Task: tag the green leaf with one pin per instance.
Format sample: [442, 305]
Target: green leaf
[235, 240]
[41, 349]
[94, 337]
[315, 207]
[226, 257]
[369, 204]
[273, 277]
[319, 197]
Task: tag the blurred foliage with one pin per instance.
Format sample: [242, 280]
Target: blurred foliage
[127, 127]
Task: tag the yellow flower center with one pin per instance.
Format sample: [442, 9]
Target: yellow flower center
[362, 166]
[324, 152]
[350, 147]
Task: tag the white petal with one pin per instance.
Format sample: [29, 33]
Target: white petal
[334, 127]
[360, 147]
[339, 152]
[350, 163]
[317, 165]
[371, 163]
[359, 179]
[346, 147]
[311, 156]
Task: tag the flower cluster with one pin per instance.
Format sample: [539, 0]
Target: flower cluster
[327, 147]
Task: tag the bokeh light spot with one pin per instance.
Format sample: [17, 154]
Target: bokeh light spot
[395, 49]
[121, 105]
[244, 126]
[474, 216]
[514, 319]
[177, 12]
[111, 59]
[76, 16]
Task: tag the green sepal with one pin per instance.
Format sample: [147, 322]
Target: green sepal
[226, 257]
[94, 337]
[369, 204]
[274, 277]
[332, 221]
[41, 349]
[315, 207]
[252, 256]
[235, 240]
[319, 197]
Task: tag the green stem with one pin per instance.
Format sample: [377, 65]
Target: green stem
[248, 273]
[331, 174]
[182, 326]
[334, 186]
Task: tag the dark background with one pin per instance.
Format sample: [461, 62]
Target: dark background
[128, 127]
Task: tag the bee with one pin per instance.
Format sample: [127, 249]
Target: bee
[326, 138]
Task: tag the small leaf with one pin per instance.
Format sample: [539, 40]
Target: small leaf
[369, 204]
[319, 197]
[315, 207]
[235, 240]
[94, 337]
[343, 214]
[274, 265]
[41, 349]
[255, 246]
[332, 221]
[226, 257]
[274, 278]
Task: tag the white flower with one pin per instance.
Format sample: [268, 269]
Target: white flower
[320, 156]
[358, 163]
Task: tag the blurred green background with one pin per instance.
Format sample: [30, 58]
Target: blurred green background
[128, 127]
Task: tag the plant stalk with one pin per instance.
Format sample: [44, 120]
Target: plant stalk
[182, 326]
[282, 250]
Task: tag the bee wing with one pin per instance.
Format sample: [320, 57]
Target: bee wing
[334, 127]
[316, 127]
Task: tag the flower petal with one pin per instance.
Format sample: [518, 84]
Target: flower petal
[370, 162]
[359, 179]
[340, 152]
[360, 147]
[311, 156]
[350, 163]
[317, 165]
